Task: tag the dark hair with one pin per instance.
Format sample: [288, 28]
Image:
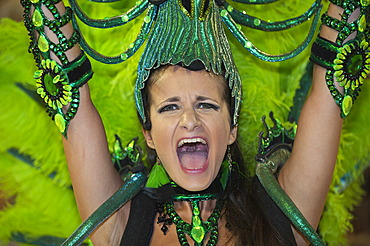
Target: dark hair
[244, 219]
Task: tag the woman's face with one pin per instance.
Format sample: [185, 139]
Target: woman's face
[190, 125]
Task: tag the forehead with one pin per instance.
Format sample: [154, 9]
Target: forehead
[178, 80]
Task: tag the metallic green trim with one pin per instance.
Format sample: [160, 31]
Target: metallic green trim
[133, 184]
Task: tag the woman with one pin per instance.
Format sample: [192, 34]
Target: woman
[191, 126]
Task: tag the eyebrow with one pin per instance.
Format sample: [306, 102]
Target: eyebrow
[172, 99]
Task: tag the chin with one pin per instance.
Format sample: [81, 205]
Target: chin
[194, 185]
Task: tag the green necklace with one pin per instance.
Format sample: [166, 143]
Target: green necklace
[198, 229]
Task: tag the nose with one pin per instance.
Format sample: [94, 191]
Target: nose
[189, 120]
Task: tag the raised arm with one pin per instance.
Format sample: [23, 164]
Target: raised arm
[93, 176]
[307, 175]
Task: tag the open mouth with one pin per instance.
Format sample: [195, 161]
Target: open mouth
[192, 153]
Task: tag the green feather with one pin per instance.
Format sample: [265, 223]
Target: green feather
[157, 177]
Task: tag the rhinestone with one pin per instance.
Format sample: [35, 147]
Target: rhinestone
[60, 122]
[197, 233]
[365, 2]
[147, 19]
[124, 56]
[347, 105]
[257, 22]
[362, 23]
[43, 44]
[230, 8]
[124, 18]
[37, 18]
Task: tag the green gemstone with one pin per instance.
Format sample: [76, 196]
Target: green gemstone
[124, 56]
[196, 221]
[124, 18]
[60, 122]
[257, 22]
[365, 2]
[43, 44]
[248, 44]
[49, 85]
[230, 8]
[34, 1]
[37, 19]
[197, 233]
[147, 19]
[131, 45]
[223, 13]
[362, 23]
[347, 105]
[355, 64]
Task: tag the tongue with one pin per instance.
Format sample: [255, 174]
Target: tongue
[193, 156]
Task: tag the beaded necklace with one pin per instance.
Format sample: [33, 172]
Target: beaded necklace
[198, 229]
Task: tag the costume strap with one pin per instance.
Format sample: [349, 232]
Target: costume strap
[58, 79]
[347, 62]
[274, 150]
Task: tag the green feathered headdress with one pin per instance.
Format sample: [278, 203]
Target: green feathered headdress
[182, 36]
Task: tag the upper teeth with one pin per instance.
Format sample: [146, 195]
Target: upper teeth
[191, 140]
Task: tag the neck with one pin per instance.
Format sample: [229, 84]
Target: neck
[185, 209]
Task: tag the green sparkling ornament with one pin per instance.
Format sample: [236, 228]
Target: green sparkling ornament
[34, 1]
[355, 64]
[248, 44]
[257, 22]
[60, 122]
[347, 105]
[223, 13]
[124, 18]
[43, 44]
[365, 2]
[147, 19]
[230, 8]
[37, 18]
[49, 85]
[362, 23]
[124, 56]
[197, 233]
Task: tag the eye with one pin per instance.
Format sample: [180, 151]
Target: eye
[208, 106]
[169, 107]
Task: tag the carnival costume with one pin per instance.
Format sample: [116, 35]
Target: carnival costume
[58, 83]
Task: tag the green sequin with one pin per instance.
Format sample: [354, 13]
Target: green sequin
[223, 13]
[147, 19]
[34, 1]
[248, 44]
[60, 122]
[362, 23]
[230, 8]
[124, 56]
[124, 18]
[257, 22]
[37, 18]
[347, 105]
[43, 44]
[365, 2]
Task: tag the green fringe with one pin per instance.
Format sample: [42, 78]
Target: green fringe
[38, 195]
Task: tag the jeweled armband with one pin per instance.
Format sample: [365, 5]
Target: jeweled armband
[57, 81]
[347, 62]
